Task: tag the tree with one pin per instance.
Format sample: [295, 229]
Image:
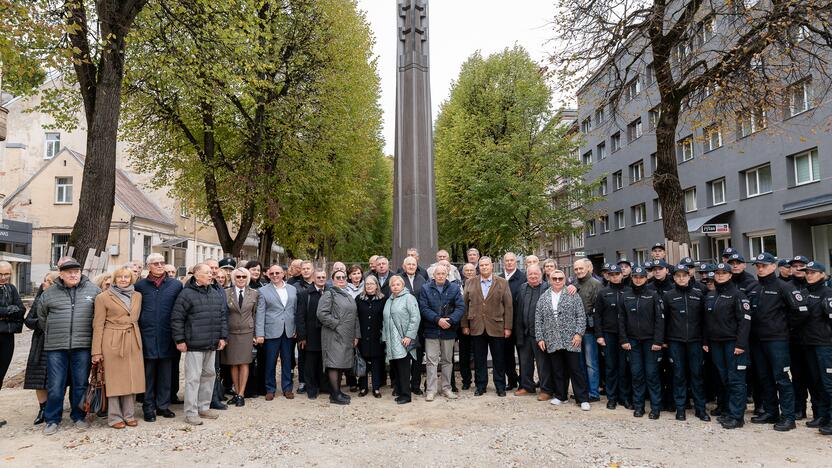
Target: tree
[710, 61]
[502, 155]
[87, 41]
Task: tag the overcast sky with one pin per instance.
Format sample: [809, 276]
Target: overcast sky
[457, 28]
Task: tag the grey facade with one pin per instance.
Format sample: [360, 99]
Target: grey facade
[789, 215]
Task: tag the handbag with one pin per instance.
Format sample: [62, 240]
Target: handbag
[359, 366]
[95, 400]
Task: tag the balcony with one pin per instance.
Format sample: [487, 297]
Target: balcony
[3, 114]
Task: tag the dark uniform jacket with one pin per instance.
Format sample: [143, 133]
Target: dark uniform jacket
[727, 315]
[779, 305]
[307, 325]
[527, 298]
[684, 314]
[816, 330]
[642, 316]
[607, 308]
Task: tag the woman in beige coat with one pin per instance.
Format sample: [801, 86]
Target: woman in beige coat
[117, 342]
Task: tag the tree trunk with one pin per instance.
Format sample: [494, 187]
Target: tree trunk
[666, 177]
[264, 251]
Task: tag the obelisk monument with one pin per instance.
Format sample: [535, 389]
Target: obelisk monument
[414, 191]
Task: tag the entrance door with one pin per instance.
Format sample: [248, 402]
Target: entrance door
[822, 243]
[719, 245]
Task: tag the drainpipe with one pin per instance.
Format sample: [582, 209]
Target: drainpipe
[130, 244]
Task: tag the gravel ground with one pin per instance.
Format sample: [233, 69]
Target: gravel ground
[471, 431]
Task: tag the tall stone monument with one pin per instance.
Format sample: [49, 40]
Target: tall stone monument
[414, 191]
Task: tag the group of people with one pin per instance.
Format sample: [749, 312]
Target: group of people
[678, 335]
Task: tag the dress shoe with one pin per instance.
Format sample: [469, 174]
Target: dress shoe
[312, 395]
[454, 389]
[302, 388]
[680, 415]
[764, 419]
[417, 392]
[165, 413]
[722, 418]
[717, 411]
[759, 410]
[638, 413]
[402, 400]
[40, 418]
[353, 388]
[289, 395]
[654, 414]
[784, 425]
[269, 396]
[543, 396]
[338, 399]
[594, 399]
[466, 386]
[376, 394]
[218, 405]
[132, 423]
[174, 400]
[522, 392]
[501, 393]
[479, 392]
[814, 424]
[703, 416]
[611, 404]
[799, 415]
[731, 423]
[150, 417]
[826, 430]
[363, 392]
[240, 401]
[628, 405]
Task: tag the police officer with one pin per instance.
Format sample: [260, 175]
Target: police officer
[816, 333]
[658, 252]
[605, 274]
[797, 264]
[626, 268]
[800, 363]
[606, 314]
[727, 325]
[784, 270]
[684, 316]
[641, 328]
[749, 286]
[778, 304]
[661, 281]
[706, 277]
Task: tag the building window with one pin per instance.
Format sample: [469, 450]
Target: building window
[758, 181]
[183, 211]
[640, 256]
[63, 190]
[59, 245]
[654, 162]
[685, 146]
[632, 89]
[751, 122]
[634, 130]
[690, 199]
[657, 209]
[636, 171]
[806, 167]
[649, 75]
[801, 97]
[615, 141]
[599, 116]
[602, 151]
[713, 138]
[587, 159]
[681, 51]
[760, 243]
[639, 214]
[603, 189]
[653, 118]
[717, 192]
[617, 181]
[705, 30]
[590, 228]
[586, 125]
[605, 223]
[694, 250]
[146, 244]
[619, 219]
[52, 145]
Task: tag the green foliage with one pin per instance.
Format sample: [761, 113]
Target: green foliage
[504, 165]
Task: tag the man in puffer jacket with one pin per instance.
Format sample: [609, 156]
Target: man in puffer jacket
[11, 319]
[65, 312]
[200, 328]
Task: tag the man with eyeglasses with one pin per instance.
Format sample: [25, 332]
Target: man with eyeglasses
[170, 271]
[159, 292]
[308, 329]
[12, 312]
[275, 327]
[65, 312]
[220, 387]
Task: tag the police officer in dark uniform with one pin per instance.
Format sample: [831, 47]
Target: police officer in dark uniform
[641, 328]
[684, 316]
[662, 282]
[816, 333]
[606, 313]
[727, 325]
[800, 361]
[749, 286]
[778, 304]
[784, 270]
[626, 268]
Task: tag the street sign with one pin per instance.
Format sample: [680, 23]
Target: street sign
[721, 228]
[580, 253]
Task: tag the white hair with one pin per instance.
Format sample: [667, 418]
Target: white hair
[5, 264]
[154, 256]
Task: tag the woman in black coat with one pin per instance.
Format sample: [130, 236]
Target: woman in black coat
[370, 303]
[36, 363]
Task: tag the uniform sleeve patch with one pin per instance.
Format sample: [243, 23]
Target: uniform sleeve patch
[747, 317]
[803, 308]
[746, 306]
[798, 296]
[741, 367]
[786, 369]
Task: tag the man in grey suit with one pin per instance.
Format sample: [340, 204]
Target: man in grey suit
[275, 328]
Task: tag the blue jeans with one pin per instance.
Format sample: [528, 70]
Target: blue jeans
[771, 364]
[272, 347]
[820, 364]
[590, 357]
[687, 357]
[615, 370]
[58, 363]
[731, 370]
[644, 364]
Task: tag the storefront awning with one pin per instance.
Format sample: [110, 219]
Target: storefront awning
[695, 224]
[173, 243]
[14, 258]
[808, 208]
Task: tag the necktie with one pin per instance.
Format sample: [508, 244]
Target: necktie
[240, 301]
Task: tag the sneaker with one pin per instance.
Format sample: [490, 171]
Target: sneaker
[555, 402]
[82, 425]
[50, 429]
[449, 394]
[193, 420]
[209, 414]
[430, 396]
[585, 406]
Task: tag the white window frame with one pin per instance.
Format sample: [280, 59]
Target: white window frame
[600, 116]
[63, 190]
[653, 116]
[639, 214]
[617, 180]
[590, 228]
[636, 171]
[804, 88]
[649, 75]
[694, 250]
[586, 125]
[632, 89]
[713, 138]
[657, 206]
[688, 208]
[812, 158]
[587, 158]
[605, 223]
[758, 238]
[601, 149]
[755, 173]
[635, 130]
[52, 145]
[687, 148]
[707, 27]
[721, 184]
[615, 142]
[752, 122]
[620, 220]
[603, 187]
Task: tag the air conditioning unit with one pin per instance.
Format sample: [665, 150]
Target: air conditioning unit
[114, 250]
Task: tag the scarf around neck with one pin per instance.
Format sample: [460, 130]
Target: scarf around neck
[125, 295]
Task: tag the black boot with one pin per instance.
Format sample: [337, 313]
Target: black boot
[40, 418]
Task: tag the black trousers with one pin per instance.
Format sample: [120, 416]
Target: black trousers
[157, 375]
[301, 364]
[482, 344]
[257, 374]
[416, 366]
[565, 366]
[466, 350]
[402, 368]
[375, 367]
[313, 370]
[801, 378]
[511, 363]
[6, 352]
[174, 374]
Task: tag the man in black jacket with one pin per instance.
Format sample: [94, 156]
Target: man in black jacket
[12, 312]
[200, 327]
[515, 278]
[607, 312]
[816, 334]
[684, 309]
[308, 329]
[525, 306]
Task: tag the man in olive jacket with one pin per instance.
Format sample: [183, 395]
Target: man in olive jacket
[488, 320]
[200, 328]
[65, 311]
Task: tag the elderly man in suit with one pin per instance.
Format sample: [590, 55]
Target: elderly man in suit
[515, 278]
[275, 327]
[413, 281]
[488, 320]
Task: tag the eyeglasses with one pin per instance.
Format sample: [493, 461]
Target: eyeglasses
[239, 277]
[275, 273]
[156, 264]
[339, 277]
[558, 278]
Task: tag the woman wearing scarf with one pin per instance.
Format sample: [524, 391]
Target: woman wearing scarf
[116, 343]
